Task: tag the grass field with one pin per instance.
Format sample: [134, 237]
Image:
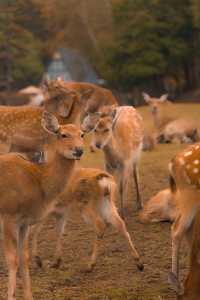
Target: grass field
[115, 277]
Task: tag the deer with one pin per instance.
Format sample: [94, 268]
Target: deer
[170, 128]
[160, 208]
[27, 201]
[91, 194]
[192, 283]
[20, 127]
[119, 133]
[184, 184]
[99, 96]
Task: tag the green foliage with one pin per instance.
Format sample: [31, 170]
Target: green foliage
[152, 39]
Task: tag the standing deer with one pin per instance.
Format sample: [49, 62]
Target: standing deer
[185, 186]
[20, 127]
[90, 193]
[26, 201]
[120, 134]
[169, 128]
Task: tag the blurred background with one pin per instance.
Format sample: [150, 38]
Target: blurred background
[126, 45]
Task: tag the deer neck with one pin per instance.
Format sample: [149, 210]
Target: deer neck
[56, 173]
[110, 152]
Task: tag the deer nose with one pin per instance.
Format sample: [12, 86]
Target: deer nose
[98, 145]
[78, 152]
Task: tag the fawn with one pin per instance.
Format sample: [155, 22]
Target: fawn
[90, 193]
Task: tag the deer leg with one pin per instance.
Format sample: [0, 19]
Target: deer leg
[10, 249]
[23, 251]
[60, 228]
[178, 230]
[139, 204]
[99, 226]
[36, 257]
[119, 224]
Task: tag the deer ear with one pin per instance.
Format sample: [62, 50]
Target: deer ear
[114, 112]
[65, 105]
[50, 123]
[163, 98]
[146, 97]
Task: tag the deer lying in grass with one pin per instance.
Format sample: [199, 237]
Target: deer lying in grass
[185, 186]
[192, 283]
[169, 128]
[90, 193]
[20, 127]
[160, 208]
[119, 134]
[26, 201]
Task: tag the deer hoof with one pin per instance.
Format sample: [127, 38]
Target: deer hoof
[57, 263]
[173, 281]
[38, 262]
[140, 266]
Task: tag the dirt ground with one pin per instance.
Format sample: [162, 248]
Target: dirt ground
[115, 275]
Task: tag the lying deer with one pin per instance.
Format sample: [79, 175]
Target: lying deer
[185, 183]
[159, 208]
[26, 201]
[192, 283]
[20, 127]
[90, 193]
[169, 128]
[119, 134]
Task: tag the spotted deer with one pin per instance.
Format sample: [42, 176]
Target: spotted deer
[119, 134]
[91, 194]
[20, 127]
[185, 186]
[170, 128]
[26, 201]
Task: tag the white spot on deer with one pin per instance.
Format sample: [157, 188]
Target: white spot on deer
[196, 162]
[188, 166]
[195, 170]
[197, 147]
[188, 153]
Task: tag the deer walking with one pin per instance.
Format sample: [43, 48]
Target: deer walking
[26, 201]
[120, 134]
[91, 194]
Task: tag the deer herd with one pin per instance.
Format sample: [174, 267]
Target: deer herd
[40, 147]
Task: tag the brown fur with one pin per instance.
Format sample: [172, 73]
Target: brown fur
[170, 128]
[21, 126]
[192, 283]
[99, 97]
[28, 199]
[120, 134]
[159, 208]
[90, 194]
[185, 183]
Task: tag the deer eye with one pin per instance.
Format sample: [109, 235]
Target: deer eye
[65, 135]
